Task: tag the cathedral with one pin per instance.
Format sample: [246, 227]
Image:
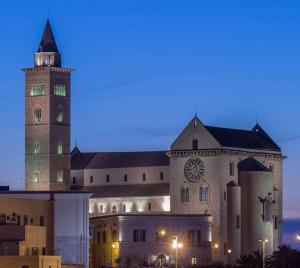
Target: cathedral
[215, 192]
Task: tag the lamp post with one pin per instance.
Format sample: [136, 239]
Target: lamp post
[176, 246]
[228, 260]
[263, 241]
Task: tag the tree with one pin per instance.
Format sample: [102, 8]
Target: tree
[253, 260]
[284, 257]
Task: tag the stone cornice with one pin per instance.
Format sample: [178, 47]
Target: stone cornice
[47, 69]
[215, 152]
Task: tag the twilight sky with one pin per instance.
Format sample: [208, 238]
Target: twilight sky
[143, 68]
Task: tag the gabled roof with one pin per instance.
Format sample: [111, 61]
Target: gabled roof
[129, 190]
[103, 160]
[256, 138]
[251, 164]
[48, 43]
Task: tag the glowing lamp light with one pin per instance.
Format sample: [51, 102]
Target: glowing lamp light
[298, 237]
[162, 232]
[229, 251]
[216, 246]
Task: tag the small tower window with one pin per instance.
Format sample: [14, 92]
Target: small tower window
[36, 176]
[114, 209]
[144, 176]
[60, 90]
[107, 178]
[125, 178]
[91, 179]
[231, 169]
[37, 115]
[59, 149]
[36, 148]
[195, 144]
[204, 193]
[161, 176]
[60, 175]
[59, 117]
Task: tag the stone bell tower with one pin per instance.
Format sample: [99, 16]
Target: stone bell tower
[47, 119]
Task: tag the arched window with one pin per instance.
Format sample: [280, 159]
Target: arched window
[184, 194]
[125, 178]
[101, 209]
[74, 180]
[36, 147]
[144, 176]
[37, 115]
[59, 149]
[124, 208]
[204, 193]
[114, 209]
[36, 176]
[60, 175]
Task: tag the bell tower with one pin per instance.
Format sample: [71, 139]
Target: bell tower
[47, 119]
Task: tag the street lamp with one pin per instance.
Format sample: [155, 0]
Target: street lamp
[229, 252]
[176, 245]
[263, 241]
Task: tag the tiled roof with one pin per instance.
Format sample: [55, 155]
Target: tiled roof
[129, 190]
[247, 139]
[251, 164]
[105, 160]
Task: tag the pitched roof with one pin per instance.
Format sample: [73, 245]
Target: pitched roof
[105, 160]
[129, 190]
[256, 138]
[48, 43]
[251, 164]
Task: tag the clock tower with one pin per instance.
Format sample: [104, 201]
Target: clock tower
[47, 119]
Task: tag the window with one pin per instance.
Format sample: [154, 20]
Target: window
[184, 194]
[107, 178]
[124, 208]
[98, 237]
[35, 251]
[2, 219]
[25, 266]
[37, 90]
[36, 148]
[74, 180]
[43, 251]
[275, 222]
[238, 221]
[42, 221]
[204, 193]
[59, 149]
[144, 176]
[161, 176]
[195, 144]
[60, 175]
[225, 196]
[36, 176]
[91, 179]
[60, 90]
[271, 167]
[104, 237]
[139, 235]
[125, 178]
[59, 117]
[194, 237]
[101, 209]
[149, 206]
[114, 209]
[37, 115]
[194, 261]
[25, 219]
[114, 236]
[231, 169]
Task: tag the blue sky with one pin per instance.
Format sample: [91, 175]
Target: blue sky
[143, 68]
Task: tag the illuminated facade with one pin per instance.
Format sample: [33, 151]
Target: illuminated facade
[47, 119]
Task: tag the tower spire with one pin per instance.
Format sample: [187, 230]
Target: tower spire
[47, 53]
[48, 43]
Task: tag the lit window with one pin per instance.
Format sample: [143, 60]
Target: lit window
[60, 90]
[194, 261]
[59, 149]
[36, 148]
[60, 175]
[37, 90]
[37, 115]
[231, 169]
[36, 176]
[59, 117]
